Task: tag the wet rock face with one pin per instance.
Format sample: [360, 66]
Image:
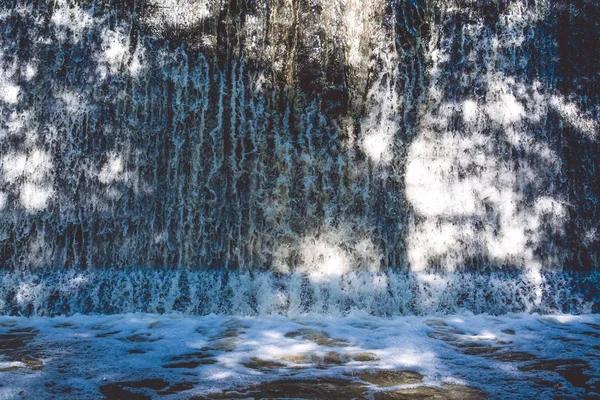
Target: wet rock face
[310, 135]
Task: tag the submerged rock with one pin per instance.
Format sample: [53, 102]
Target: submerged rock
[445, 392]
[345, 389]
[385, 378]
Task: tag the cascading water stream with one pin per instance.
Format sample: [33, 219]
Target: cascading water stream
[298, 157]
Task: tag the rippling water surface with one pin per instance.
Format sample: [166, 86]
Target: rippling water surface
[462, 356]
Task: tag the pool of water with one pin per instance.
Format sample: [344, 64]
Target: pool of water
[358, 356]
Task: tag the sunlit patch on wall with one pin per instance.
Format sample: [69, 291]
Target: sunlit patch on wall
[470, 108]
[322, 260]
[112, 170]
[505, 110]
[113, 53]
[377, 145]
[35, 197]
[13, 166]
[9, 92]
[16, 123]
[381, 124]
[473, 203]
[182, 14]
[569, 111]
[32, 171]
[3, 200]
[30, 71]
[330, 253]
[67, 17]
[485, 193]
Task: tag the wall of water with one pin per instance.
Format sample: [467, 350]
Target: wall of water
[319, 138]
[50, 292]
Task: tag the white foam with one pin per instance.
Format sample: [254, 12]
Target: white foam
[377, 293]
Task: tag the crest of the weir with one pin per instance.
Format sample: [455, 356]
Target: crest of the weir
[314, 140]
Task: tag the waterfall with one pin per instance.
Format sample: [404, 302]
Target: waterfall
[283, 157]
[256, 293]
